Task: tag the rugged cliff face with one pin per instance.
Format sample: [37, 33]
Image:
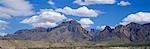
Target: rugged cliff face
[136, 32]
[71, 31]
[132, 32]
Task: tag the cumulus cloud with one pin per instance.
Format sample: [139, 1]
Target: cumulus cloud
[3, 24]
[82, 11]
[46, 18]
[10, 8]
[91, 2]
[4, 16]
[86, 22]
[140, 17]
[51, 2]
[103, 27]
[123, 3]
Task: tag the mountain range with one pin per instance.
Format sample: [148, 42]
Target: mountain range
[72, 31]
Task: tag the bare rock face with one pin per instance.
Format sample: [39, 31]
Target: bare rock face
[106, 33]
[69, 31]
[133, 32]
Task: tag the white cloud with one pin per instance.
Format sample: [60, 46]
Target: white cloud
[51, 2]
[140, 17]
[82, 11]
[3, 24]
[103, 27]
[44, 24]
[15, 8]
[86, 22]
[46, 18]
[123, 3]
[3, 34]
[4, 16]
[91, 2]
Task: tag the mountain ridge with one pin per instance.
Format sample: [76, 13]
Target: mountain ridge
[72, 31]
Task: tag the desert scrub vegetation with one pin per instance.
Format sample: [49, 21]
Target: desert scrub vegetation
[28, 44]
[7, 38]
[93, 48]
[119, 46]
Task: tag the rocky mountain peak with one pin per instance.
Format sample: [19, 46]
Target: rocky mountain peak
[107, 28]
[132, 24]
[71, 22]
[73, 31]
[66, 31]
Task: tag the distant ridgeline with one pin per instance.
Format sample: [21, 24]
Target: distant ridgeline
[71, 31]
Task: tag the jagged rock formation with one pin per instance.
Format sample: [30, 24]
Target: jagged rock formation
[71, 31]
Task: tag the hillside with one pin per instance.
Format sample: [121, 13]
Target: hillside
[72, 31]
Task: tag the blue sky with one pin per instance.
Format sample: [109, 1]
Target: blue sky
[110, 14]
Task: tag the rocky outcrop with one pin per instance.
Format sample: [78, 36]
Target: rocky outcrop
[71, 31]
[132, 32]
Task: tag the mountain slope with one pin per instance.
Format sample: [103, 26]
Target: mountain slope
[130, 33]
[69, 31]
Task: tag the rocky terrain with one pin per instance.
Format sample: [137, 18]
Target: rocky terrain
[72, 31]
